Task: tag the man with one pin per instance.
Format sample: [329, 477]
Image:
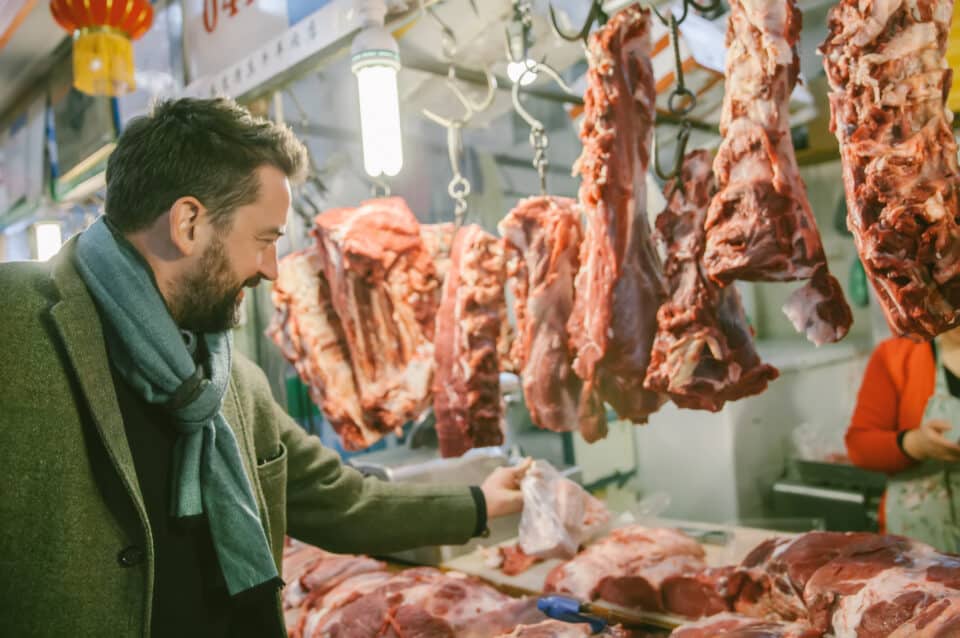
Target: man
[148, 476]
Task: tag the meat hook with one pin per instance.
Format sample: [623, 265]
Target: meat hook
[682, 137]
[596, 15]
[470, 106]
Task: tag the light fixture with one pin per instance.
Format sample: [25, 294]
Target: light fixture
[523, 72]
[49, 238]
[520, 66]
[375, 60]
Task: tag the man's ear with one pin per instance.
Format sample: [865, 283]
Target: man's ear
[185, 216]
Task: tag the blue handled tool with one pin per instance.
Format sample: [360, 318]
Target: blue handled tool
[569, 610]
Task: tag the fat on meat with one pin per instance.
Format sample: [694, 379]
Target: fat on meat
[619, 285]
[466, 392]
[308, 332]
[703, 354]
[760, 226]
[886, 65]
[383, 286]
[628, 567]
[728, 625]
[543, 237]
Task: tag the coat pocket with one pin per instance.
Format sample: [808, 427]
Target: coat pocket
[272, 475]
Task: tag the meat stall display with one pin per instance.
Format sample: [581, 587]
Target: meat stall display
[343, 596]
[543, 237]
[466, 392]
[703, 354]
[729, 625]
[889, 79]
[619, 286]
[760, 226]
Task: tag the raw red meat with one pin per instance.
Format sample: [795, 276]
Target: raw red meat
[438, 239]
[310, 336]
[889, 79]
[472, 311]
[854, 584]
[734, 626]
[543, 236]
[628, 567]
[383, 286]
[558, 629]
[703, 355]
[702, 593]
[619, 286]
[515, 561]
[426, 602]
[760, 226]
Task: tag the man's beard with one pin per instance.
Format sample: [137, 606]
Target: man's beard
[206, 299]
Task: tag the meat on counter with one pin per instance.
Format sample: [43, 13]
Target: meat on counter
[619, 286]
[703, 355]
[889, 79]
[760, 226]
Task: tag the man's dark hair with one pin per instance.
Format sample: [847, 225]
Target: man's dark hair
[208, 149]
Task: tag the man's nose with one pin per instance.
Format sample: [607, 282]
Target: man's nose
[269, 267]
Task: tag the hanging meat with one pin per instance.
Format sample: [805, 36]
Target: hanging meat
[542, 236]
[703, 354]
[310, 336]
[889, 78]
[469, 323]
[619, 286]
[384, 288]
[760, 226]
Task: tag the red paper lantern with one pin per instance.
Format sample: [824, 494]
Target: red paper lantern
[103, 33]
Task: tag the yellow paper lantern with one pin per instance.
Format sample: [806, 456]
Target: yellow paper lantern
[103, 33]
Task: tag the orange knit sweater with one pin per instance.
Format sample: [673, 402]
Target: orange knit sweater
[897, 384]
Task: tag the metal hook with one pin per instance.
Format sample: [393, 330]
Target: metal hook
[470, 106]
[596, 15]
[379, 187]
[538, 135]
[682, 137]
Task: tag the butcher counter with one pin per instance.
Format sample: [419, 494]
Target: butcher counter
[724, 545]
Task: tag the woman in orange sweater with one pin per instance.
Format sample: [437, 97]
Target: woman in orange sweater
[903, 425]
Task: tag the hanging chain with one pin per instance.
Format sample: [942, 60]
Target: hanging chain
[459, 187]
[540, 143]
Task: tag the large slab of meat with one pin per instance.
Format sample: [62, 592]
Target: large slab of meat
[854, 584]
[466, 388]
[889, 78]
[736, 626]
[760, 226]
[306, 328]
[423, 602]
[543, 236]
[628, 567]
[384, 288]
[703, 354]
[558, 629]
[619, 286]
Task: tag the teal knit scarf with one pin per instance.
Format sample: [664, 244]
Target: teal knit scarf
[148, 349]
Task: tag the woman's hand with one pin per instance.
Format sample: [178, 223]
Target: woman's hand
[928, 442]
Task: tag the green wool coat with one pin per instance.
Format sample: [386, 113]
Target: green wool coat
[74, 563]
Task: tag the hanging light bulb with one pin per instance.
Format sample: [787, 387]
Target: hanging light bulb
[375, 62]
[523, 72]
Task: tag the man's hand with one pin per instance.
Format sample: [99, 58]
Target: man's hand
[928, 442]
[502, 489]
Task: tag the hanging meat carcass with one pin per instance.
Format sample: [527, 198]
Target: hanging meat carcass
[384, 288]
[619, 286]
[703, 354]
[760, 226]
[308, 332]
[889, 78]
[543, 236]
[467, 403]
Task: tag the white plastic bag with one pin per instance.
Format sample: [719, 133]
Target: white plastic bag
[558, 515]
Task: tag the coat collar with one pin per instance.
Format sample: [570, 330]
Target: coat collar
[77, 322]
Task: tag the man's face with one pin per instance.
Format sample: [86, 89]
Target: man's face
[238, 256]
